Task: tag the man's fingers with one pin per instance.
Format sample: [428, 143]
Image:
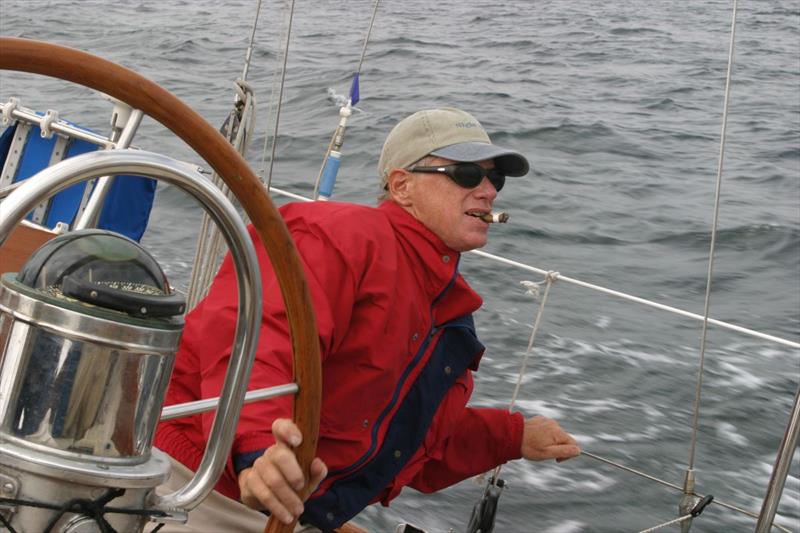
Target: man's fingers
[278, 502]
[287, 432]
[563, 452]
[564, 439]
[272, 480]
[543, 438]
[286, 471]
[319, 471]
[275, 482]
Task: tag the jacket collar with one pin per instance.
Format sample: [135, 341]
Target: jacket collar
[450, 293]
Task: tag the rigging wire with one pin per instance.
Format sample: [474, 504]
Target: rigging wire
[249, 53]
[687, 501]
[326, 178]
[649, 477]
[210, 244]
[483, 514]
[277, 104]
[366, 39]
[550, 278]
[237, 129]
[706, 319]
[714, 228]
[669, 309]
[573, 281]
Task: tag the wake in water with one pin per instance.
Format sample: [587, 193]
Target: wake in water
[340, 100]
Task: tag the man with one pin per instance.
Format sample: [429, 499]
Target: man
[397, 337]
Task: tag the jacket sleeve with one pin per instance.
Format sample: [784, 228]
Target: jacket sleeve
[331, 287]
[483, 438]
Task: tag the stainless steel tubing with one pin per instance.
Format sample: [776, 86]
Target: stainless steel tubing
[90, 215]
[780, 470]
[201, 406]
[113, 162]
[59, 126]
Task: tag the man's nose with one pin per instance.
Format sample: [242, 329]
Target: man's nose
[486, 189]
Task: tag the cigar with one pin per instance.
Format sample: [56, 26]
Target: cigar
[492, 218]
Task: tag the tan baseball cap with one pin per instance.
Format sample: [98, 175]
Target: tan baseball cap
[449, 133]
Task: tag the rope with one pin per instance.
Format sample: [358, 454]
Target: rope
[91, 508]
[483, 514]
[94, 509]
[665, 524]
[533, 290]
[238, 128]
[696, 510]
[210, 244]
[7, 524]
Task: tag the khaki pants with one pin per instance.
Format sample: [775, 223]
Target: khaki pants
[216, 514]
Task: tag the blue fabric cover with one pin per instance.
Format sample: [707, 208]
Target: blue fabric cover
[127, 206]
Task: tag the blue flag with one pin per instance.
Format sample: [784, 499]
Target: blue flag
[354, 97]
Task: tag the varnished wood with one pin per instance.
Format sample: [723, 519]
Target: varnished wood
[22, 242]
[139, 92]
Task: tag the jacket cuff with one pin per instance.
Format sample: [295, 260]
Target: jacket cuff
[248, 447]
[245, 460]
[516, 428]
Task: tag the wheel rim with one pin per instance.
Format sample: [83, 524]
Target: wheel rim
[85, 69]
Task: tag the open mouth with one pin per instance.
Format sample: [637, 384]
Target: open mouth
[477, 213]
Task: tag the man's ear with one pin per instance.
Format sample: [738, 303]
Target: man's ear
[400, 186]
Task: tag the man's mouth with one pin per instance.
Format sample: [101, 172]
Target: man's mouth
[477, 213]
[488, 216]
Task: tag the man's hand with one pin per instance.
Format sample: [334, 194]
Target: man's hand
[275, 479]
[543, 438]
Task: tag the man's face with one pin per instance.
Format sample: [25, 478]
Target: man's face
[448, 210]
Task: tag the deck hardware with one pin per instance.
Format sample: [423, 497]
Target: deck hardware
[8, 110]
[50, 117]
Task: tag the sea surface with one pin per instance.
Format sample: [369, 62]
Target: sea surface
[619, 106]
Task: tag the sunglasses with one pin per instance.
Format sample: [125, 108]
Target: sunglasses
[467, 175]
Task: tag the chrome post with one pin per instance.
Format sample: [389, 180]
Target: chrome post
[687, 500]
[90, 215]
[202, 406]
[780, 470]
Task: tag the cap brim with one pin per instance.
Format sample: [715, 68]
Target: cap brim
[510, 162]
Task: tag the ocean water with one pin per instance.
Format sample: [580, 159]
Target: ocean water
[618, 105]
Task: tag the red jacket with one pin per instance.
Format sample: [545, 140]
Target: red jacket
[398, 348]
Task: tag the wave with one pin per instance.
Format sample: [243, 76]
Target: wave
[584, 237]
[635, 31]
[579, 139]
[776, 240]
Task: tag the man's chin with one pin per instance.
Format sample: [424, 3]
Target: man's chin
[472, 244]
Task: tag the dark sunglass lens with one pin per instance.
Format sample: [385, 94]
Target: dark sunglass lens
[497, 179]
[468, 174]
